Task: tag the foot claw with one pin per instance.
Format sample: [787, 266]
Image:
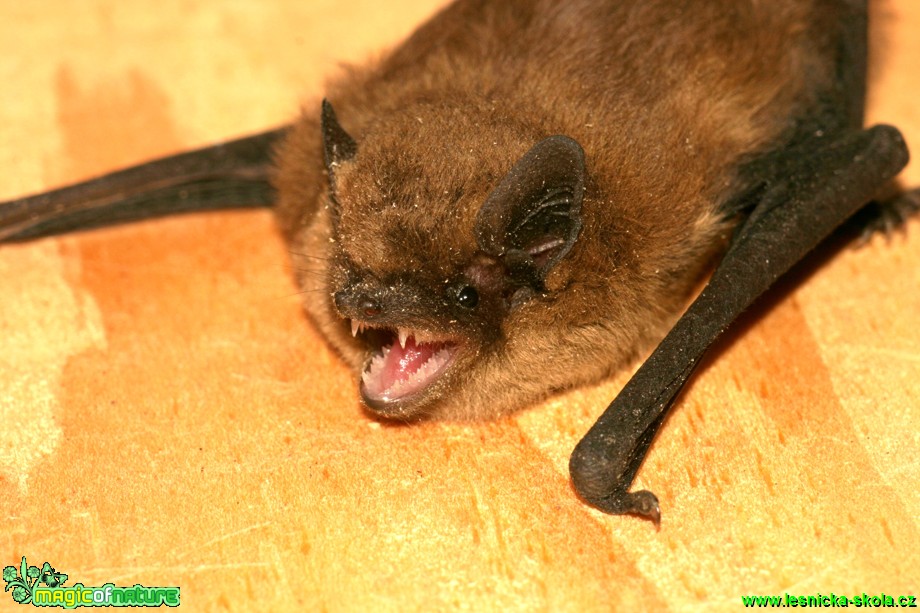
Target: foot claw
[888, 216]
[645, 504]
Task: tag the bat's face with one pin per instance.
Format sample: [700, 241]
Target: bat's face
[418, 326]
[430, 256]
[406, 279]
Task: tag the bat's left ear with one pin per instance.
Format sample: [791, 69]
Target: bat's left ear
[338, 145]
[532, 218]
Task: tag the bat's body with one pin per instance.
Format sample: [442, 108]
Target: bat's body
[668, 124]
[522, 196]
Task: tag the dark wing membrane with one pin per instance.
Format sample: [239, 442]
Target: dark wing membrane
[232, 174]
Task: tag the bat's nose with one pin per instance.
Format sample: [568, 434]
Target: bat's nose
[357, 305]
[369, 306]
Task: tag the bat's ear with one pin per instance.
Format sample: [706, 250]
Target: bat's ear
[338, 145]
[532, 218]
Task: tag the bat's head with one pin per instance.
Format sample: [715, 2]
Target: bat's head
[432, 251]
[466, 263]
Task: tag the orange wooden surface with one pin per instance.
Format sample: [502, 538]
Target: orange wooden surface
[168, 416]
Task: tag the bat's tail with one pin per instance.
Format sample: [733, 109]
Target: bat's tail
[228, 175]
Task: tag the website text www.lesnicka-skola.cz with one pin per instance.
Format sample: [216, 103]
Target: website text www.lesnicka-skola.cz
[830, 601]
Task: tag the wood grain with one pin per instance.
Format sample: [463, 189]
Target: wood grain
[170, 417]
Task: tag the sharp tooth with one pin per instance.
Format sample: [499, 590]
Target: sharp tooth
[403, 335]
[355, 327]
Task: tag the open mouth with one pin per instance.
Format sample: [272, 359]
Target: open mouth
[404, 362]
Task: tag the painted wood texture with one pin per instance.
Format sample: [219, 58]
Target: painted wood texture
[168, 416]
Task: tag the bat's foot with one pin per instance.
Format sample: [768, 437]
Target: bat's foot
[888, 216]
[642, 503]
[601, 481]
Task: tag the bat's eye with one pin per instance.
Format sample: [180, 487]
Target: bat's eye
[467, 297]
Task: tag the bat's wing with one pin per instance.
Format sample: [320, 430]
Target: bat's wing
[231, 174]
[821, 184]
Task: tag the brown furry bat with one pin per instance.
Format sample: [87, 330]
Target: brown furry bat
[522, 196]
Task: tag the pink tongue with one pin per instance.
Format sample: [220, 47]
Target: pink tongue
[400, 364]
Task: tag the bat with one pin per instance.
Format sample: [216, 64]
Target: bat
[522, 197]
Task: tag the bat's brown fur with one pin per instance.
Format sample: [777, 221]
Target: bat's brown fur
[667, 99]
